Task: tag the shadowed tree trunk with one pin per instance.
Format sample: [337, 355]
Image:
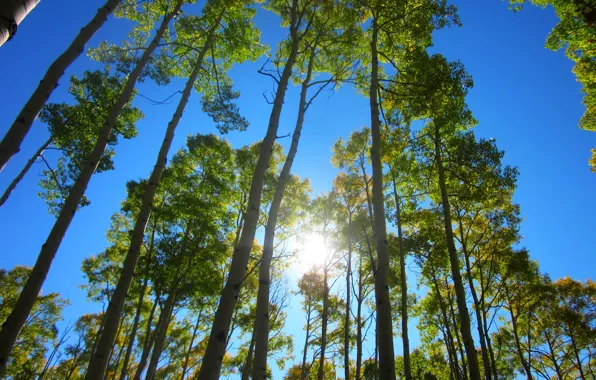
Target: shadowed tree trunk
[161, 334]
[192, 341]
[12, 13]
[216, 347]
[11, 143]
[259, 367]
[114, 312]
[347, 316]
[133, 332]
[149, 339]
[324, 320]
[359, 321]
[248, 363]
[20, 176]
[460, 293]
[305, 350]
[383, 305]
[15, 321]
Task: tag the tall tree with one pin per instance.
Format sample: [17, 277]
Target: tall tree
[15, 321]
[16, 10]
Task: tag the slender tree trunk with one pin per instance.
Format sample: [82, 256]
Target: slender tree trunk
[553, 358]
[161, 334]
[149, 339]
[259, 367]
[248, 363]
[324, 320]
[457, 337]
[133, 332]
[120, 325]
[460, 292]
[216, 347]
[305, 350]
[576, 353]
[12, 13]
[383, 305]
[114, 311]
[15, 321]
[116, 362]
[489, 345]
[347, 316]
[20, 176]
[192, 341]
[520, 353]
[403, 283]
[477, 311]
[11, 143]
[359, 322]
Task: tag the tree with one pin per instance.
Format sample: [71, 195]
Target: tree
[40, 330]
[18, 316]
[12, 14]
[11, 143]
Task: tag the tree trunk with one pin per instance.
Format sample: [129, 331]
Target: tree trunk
[347, 316]
[192, 341]
[403, 284]
[520, 353]
[305, 350]
[11, 143]
[248, 363]
[259, 367]
[460, 292]
[133, 332]
[12, 13]
[576, 353]
[149, 339]
[457, 337]
[20, 176]
[216, 347]
[383, 305]
[15, 321]
[359, 322]
[324, 320]
[114, 311]
[161, 334]
[478, 312]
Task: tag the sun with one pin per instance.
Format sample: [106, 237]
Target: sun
[311, 251]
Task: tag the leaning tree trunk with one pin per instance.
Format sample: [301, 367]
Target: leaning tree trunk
[216, 346]
[18, 316]
[305, 350]
[11, 143]
[161, 335]
[12, 13]
[133, 332]
[192, 341]
[403, 283]
[460, 293]
[359, 321]
[114, 312]
[259, 367]
[22, 173]
[324, 321]
[248, 363]
[383, 305]
[149, 339]
[520, 352]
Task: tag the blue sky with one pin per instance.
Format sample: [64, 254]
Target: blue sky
[524, 96]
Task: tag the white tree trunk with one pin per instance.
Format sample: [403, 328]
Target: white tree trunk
[11, 143]
[15, 321]
[12, 13]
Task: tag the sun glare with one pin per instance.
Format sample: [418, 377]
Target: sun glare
[311, 251]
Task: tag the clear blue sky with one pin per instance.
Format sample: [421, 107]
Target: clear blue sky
[525, 96]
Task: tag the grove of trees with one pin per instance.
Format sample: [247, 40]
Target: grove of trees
[420, 227]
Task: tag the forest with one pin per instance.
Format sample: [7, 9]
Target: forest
[400, 253]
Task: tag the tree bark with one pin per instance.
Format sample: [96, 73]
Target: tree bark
[477, 311]
[324, 321]
[11, 143]
[133, 332]
[20, 176]
[305, 350]
[18, 316]
[403, 283]
[383, 305]
[259, 367]
[460, 292]
[216, 346]
[248, 363]
[192, 341]
[520, 353]
[114, 311]
[12, 13]
[359, 322]
[347, 316]
[149, 339]
[161, 334]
